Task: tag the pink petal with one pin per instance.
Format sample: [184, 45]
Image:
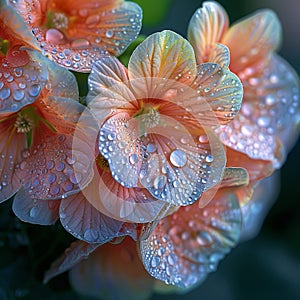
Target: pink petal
[252, 40]
[207, 28]
[220, 89]
[53, 169]
[35, 211]
[12, 145]
[188, 245]
[271, 103]
[113, 269]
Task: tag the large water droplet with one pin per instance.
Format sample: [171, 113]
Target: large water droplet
[178, 158]
[109, 33]
[33, 212]
[160, 182]
[155, 261]
[92, 20]
[34, 90]
[204, 238]
[18, 95]
[80, 44]
[4, 93]
[209, 158]
[133, 158]
[54, 36]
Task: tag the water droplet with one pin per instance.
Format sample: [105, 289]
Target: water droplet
[92, 20]
[51, 178]
[18, 95]
[160, 182]
[178, 158]
[263, 121]
[60, 166]
[34, 90]
[4, 93]
[203, 139]
[33, 212]
[209, 158]
[133, 158]
[80, 44]
[155, 261]
[109, 33]
[204, 238]
[54, 36]
[151, 148]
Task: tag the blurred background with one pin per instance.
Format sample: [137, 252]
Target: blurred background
[266, 267]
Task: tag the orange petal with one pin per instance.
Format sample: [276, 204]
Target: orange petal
[113, 269]
[163, 55]
[220, 89]
[35, 211]
[234, 177]
[77, 251]
[53, 169]
[188, 245]
[12, 145]
[252, 39]
[207, 28]
[92, 29]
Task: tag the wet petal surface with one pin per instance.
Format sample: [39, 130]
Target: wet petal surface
[186, 246]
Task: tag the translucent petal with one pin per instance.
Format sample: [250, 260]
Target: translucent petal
[42, 212]
[164, 55]
[221, 89]
[52, 168]
[77, 251]
[108, 88]
[270, 104]
[254, 212]
[22, 85]
[15, 26]
[258, 35]
[187, 245]
[235, 177]
[113, 269]
[93, 29]
[206, 28]
[12, 146]
[86, 223]
[219, 54]
[123, 204]
[172, 167]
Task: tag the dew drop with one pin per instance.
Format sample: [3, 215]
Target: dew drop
[155, 261]
[133, 158]
[54, 36]
[263, 121]
[80, 44]
[18, 95]
[178, 158]
[92, 20]
[34, 90]
[204, 238]
[33, 212]
[109, 33]
[4, 93]
[203, 139]
[160, 182]
[209, 158]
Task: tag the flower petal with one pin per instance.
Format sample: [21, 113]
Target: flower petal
[234, 177]
[172, 167]
[253, 39]
[254, 212]
[113, 269]
[12, 145]
[108, 88]
[206, 28]
[164, 55]
[22, 85]
[187, 245]
[93, 29]
[270, 104]
[121, 203]
[52, 168]
[35, 211]
[221, 89]
[86, 223]
[77, 251]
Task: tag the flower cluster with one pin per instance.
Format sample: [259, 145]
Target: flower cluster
[157, 171]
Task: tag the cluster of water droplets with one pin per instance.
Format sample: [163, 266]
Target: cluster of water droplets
[270, 104]
[187, 245]
[20, 86]
[47, 170]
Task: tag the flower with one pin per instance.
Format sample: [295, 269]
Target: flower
[76, 34]
[37, 118]
[266, 126]
[154, 130]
